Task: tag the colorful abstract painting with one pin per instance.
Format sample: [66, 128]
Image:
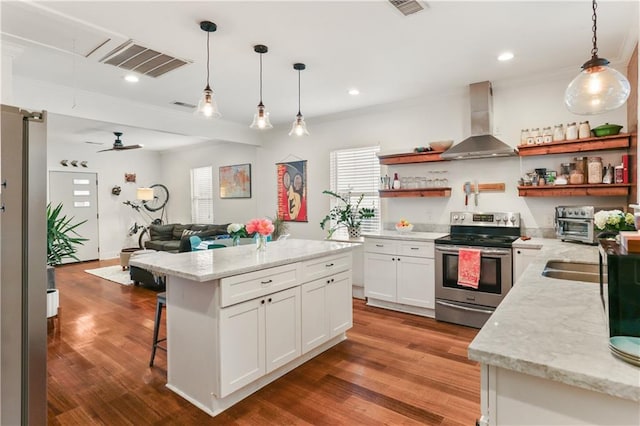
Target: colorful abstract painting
[235, 181]
[292, 191]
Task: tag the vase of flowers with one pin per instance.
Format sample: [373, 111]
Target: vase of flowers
[613, 221]
[262, 228]
[347, 214]
[237, 231]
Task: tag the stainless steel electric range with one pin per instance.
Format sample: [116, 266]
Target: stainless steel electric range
[493, 233]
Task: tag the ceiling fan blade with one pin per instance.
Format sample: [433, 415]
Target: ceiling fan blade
[104, 150]
[124, 147]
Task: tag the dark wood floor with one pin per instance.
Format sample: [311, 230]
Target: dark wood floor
[392, 369]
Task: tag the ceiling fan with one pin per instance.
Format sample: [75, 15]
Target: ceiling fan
[119, 146]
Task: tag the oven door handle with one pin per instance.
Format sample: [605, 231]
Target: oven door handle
[464, 308]
[571, 220]
[482, 251]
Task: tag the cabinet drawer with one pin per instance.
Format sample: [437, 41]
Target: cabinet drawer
[416, 248]
[379, 245]
[255, 284]
[321, 267]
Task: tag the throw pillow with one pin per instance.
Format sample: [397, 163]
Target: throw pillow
[185, 244]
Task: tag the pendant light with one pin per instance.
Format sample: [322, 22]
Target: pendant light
[299, 127]
[207, 105]
[598, 88]
[261, 117]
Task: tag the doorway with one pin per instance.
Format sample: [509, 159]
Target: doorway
[78, 193]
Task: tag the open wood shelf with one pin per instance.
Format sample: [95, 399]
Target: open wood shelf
[422, 192]
[598, 190]
[621, 141]
[411, 157]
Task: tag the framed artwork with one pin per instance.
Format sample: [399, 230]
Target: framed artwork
[235, 181]
[130, 177]
[292, 191]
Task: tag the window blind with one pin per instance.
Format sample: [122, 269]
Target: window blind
[357, 171]
[202, 195]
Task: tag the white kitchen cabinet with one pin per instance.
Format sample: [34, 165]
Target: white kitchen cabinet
[326, 309]
[258, 336]
[522, 257]
[400, 275]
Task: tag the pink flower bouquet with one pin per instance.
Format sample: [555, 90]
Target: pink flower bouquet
[261, 226]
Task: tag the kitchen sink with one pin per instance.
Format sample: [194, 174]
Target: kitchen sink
[573, 271]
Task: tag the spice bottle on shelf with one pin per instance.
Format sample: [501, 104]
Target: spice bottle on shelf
[608, 175]
[572, 131]
[524, 136]
[547, 135]
[536, 135]
[595, 170]
[584, 131]
[558, 133]
[396, 181]
[576, 177]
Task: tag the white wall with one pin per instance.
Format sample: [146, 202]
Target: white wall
[115, 217]
[403, 126]
[175, 166]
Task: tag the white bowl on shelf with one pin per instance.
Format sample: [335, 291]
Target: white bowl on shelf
[441, 145]
[404, 229]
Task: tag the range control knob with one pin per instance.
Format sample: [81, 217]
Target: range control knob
[583, 213]
[455, 217]
[513, 219]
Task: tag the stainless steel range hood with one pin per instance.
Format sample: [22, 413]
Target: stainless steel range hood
[481, 143]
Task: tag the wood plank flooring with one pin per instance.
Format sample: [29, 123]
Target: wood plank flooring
[393, 369]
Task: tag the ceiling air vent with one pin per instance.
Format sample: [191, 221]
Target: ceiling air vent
[134, 57]
[183, 104]
[407, 7]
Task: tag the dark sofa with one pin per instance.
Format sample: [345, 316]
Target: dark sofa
[173, 238]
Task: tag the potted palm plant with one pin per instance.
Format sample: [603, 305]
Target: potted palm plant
[346, 214]
[62, 239]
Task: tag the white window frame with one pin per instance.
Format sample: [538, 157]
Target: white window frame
[357, 171]
[202, 194]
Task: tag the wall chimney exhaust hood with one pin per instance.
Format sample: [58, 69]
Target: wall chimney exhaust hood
[481, 143]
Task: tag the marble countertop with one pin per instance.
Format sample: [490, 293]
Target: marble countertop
[206, 265]
[556, 329]
[409, 236]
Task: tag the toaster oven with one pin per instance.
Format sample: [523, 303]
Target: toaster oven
[576, 223]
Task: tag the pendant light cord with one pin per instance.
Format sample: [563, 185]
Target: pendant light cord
[208, 34]
[594, 18]
[261, 79]
[299, 93]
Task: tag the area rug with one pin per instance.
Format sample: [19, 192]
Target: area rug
[112, 273]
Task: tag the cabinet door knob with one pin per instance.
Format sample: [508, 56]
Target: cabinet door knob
[398, 259]
[519, 252]
[262, 301]
[270, 300]
[328, 281]
[393, 259]
[332, 280]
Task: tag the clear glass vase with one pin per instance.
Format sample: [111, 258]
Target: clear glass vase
[235, 241]
[261, 242]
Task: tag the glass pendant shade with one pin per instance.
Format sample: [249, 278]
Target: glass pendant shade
[261, 119]
[299, 127]
[597, 89]
[207, 106]
[144, 194]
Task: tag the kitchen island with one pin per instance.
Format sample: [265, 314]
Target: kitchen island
[238, 318]
[544, 352]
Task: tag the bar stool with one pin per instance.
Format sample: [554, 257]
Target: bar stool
[161, 302]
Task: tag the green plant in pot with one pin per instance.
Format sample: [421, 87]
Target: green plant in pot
[346, 214]
[62, 238]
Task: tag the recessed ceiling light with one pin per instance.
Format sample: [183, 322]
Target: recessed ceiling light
[131, 78]
[354, 92]
[506, 56]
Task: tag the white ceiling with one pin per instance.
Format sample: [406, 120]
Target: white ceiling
[345, 44]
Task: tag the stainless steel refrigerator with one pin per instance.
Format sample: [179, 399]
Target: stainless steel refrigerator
[23, 259]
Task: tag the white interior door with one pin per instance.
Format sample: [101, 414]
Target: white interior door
[78, 193]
